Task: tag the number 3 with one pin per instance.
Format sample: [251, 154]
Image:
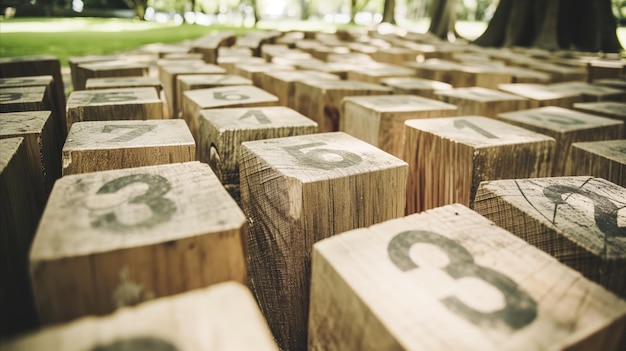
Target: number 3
[520, 309]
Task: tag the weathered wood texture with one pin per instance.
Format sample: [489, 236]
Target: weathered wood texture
[57, 102]
[108, 69]
[449, 157]
[566, 127]
[575, 219]
[223, 130]
[123, 82]
[379, 120]
[113, 105]
[482, 101]
[450, 279]
[375, 73]
[41, 146]
[255, 72]
[603, 159]
[540, 95]
[229, 62]
[168, 75]
[591, 92]
[222, 97]
[282, 83]
[209, 45]
[223, 317]
[415, 86]
[75, 61]
[24, 99]
[320, 100]
[610, 109]
[297, 191]
[107, 145]
[44, 65]
[19, 214]
[134, 234]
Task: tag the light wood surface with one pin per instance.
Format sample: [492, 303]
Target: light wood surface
[297, 191]
[108, 69]
[415, 86]
[448, 279]
[603, 159]
[482, 101]
[116, 238]
[282, 83]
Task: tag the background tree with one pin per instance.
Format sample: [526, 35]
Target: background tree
[443, 19]
[139, 6]
[389, 11]
[553, 24]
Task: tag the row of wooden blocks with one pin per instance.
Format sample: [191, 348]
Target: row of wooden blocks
[115, 238]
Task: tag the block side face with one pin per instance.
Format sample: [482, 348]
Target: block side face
[406, 259]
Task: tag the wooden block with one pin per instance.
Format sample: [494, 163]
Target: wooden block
[574, 219]
[209, 45]
[229, 62]
[75, 61]
[415, 86]
[600, 69]
[337, 68]
[376, 73]
[223, 130]
[322, 52]
[524, 75]
[488, 76]
[162, 49]
[234, 52]
[379, 120]
[299, 190]
[320, 100]
[56, 98]
[168, 75]
[566, 127]
[618, 83]
[395, 55]
[603, 159]
[43, 65]
[222, 97]
[449, 157]
[482, 101]
[107, 145]
[124, 82]
[435, 69]
[282, 83]
[108, 69]
[610, 109]
[450, 279]
[181, 56]
[41, 145]
[541, 95]
[19, 215]
[561, 73]
[255, 72]
[351, 57]
[222, 317]
[24, 99]
[135, 234]
[113, 105]
[591, 92]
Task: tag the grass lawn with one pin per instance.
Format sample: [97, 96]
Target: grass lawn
[66, 37]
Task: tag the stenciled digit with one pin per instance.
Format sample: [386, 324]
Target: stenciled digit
[232, 95]
[323, 158]
[162, 208]
[6, 97]
[134, 131]
[113, 97]
[520, 309]
[137, 344]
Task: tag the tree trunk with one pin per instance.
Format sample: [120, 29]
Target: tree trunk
[553, 24]
[304, 10]
[389, 11]
[352, 10]
[443, 19]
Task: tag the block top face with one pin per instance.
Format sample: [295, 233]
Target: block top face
[300, 75]
[435, 64]
[448, 276]
[586, 88]
[536, 91]
[32, 58]
[262, 67]
[22, 94]
[399, 103]
[99, 97]
[112, 66]
[229, 96]
[479, 94]
[255, 118]
[337, 85]
[584, 209]
[323, 156]
[221, 317]
[213, 79]
[379, 70]
[415, 83]
[31, 81]
[15, 123]
[9, 147]
[559, 119]
[127, 134]
[609, 107]
[611, 149]
[477, 131]
[195, 69]
[103, 83]
[113, 210]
